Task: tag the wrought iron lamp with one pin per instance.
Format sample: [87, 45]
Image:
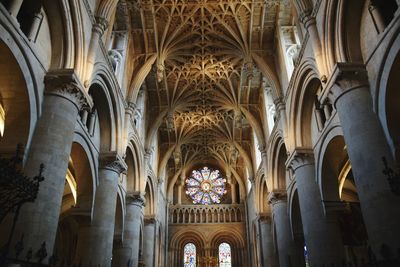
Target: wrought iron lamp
[16, 189]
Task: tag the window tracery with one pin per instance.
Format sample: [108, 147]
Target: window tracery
[205, 186]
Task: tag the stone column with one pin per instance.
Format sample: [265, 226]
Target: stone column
[95, 248]
[310, 24]
[149, 241]
[51, 145]
[14, 7]
[269, 258]
[280, 108]
[129, 253]
[377, 16]
[263, 151]
[84, 117]
[366, 145]
[322, 235]
[289, 254]
[181, 183]
[36, 22]
[234, 192]
[97, 32]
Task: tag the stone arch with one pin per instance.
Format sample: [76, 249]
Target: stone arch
[236, 242]
[106, 80]
[261, 194]
[331, 154]
[338, 186]
[387, 95]
[119, 218]
[66, 49]
[106, 9]
[85, 170]
[277, 164]
[19, 95]
[342, 37]
[107, 119]
[150, 197]
[66, 24]
[180, 239]
[296, 224]
[77, 201]
[134, 160]
[302, 99]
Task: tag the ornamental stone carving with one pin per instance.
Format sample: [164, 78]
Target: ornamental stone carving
[300, 158]
[277, 196]
[100, 26]
[66, 84]
[345, 77]
[136, 199]
[150, 220]
[113, 162]
[264, 218]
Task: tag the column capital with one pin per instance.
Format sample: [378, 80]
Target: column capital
[131, 108]
[135, 199]
[263, 150]
[307, 19]
[264, 217]
[299, 158]
[277, 196]
[279, 103]
[113, 162]
[65, 83]
[148, 152]
[100, 26]
[150, 219]
[344, 78]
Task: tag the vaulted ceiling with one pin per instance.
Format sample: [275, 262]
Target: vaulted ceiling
[204, 80]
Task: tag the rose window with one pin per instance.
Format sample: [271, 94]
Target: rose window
[205, 186]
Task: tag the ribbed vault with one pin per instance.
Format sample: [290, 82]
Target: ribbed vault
[204, 89]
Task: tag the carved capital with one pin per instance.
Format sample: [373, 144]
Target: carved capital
[300, 158]
[263, 150]
[279, 103]
[100, 26]
[147, 153]
[113, 162]
[346, 77]
[277, 196]
[66, 84]
[264, 218]
[135, 199]
[307, 19]
[149, 220]
[131, 108]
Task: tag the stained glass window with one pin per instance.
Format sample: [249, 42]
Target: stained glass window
[224, 251]
[205, 186]
[189, 255]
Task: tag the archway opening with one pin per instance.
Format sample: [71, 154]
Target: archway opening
[392, 107]
[14, 104]
[297, 228]
[338, 186]
[76, 206]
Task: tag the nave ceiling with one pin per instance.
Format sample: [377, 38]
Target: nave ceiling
[204, 88]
